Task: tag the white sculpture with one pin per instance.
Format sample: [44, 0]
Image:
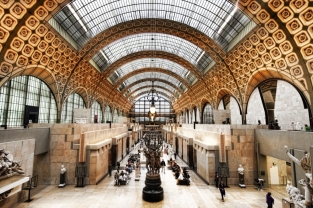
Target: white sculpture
[241, 170]
[63, 169]
[8, 167]
[294, 193]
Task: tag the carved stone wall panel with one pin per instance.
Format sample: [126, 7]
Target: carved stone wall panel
[281, 64]
[262, 33]
[302, 38]
[22, 61]
[263, 16]
[50, 5]
[34, 40]
[307, 51]
[41, 30]
[28, 3]
[41, 13]
[285, 14]
[24, 33]
[296, 71]
[32, 22]
[6, 4]
[271, 25]
[275, 53]
[298, 5]
[292, 59]
[306, 17]
[294, 26]
[10, 56]
[18, 10]
[17, 44]
[276, 5]
[279, 36]
[8, 22]
[286, 47]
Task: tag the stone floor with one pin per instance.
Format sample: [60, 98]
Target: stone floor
[105, 194]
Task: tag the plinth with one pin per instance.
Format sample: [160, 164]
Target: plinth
[241, 181]
[152, 192]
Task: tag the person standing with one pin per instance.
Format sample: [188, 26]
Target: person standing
[175, 155]
[269, 200]
[163, 166]
[216, 178]
[110, 169]
[222, 190]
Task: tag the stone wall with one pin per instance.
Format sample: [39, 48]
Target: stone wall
[22, 150]
[282, 169]
[220, 115]
[242, 139]
[99, 163]
[235, 116]
[255, 109]
[289, 106]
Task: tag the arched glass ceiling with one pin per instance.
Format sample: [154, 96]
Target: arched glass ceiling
[148, 87]
[152, 75]
[144, 96]
[152, 41]
[158, 90]
[152, 63]
[156, 83]
[221, 20]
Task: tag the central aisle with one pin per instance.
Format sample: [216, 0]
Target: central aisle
[105, 194]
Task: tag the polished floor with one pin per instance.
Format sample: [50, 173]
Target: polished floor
[105, 194]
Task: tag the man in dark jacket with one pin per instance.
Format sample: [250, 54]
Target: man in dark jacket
[269, 200]
[222, 190]
[163, 166]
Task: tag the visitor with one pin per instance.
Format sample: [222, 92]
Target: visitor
[269, 200]
[222, 190]
[216, 178]
[260, 183]
[163, 166]
[118, 165]
[110, 169]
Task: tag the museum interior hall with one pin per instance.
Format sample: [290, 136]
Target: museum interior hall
[156, 103]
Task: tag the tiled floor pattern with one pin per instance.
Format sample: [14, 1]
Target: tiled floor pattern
[106, 195]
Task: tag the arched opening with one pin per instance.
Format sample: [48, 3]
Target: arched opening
[73, 101]
[24, 91]
[108, 114]
[96, 113]
[279, 100]
[115, 116]
[207, 114]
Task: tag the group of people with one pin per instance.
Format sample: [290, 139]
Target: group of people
[181, 174]
[121, 177]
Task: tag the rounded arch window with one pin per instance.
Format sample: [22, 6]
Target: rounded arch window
[73, 101]
[207, 114]
[23, 91]
[108, 114]
[96, 112]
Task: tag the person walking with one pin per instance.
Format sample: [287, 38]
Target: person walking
[110, 169]
[269, 200]
[216, 178]
[222, 190]
[163, 166]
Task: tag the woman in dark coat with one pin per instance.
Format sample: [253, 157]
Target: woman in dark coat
[222, 189]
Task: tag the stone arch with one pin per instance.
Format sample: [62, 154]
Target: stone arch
[149, 87]
[160, 70]
[150, 79]
[82, 92]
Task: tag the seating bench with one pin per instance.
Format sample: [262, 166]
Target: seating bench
[181, 182]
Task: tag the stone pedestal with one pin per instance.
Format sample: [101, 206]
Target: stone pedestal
[152, 192]
[62, 180]
[241, 180]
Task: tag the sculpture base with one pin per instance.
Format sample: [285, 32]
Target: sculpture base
[153, 192]
[242, 185]
[61, 185]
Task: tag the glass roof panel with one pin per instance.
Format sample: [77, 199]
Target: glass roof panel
[152, 41]
[152, 63]
[147, 90]
[220, 20]
[156, 84]
[154, 75]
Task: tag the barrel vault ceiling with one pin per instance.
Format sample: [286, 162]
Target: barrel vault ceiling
[194, 51]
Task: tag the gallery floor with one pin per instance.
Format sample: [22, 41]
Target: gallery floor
[105, 194]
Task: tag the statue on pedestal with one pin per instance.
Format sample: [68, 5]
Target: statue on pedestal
[241, 176]
[298, 199]
[153, 192]
[62, 176]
